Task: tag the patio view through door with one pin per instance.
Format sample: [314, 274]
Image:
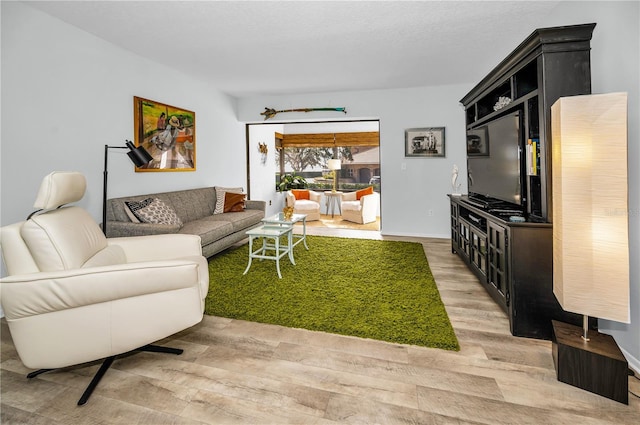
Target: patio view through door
[304, 149]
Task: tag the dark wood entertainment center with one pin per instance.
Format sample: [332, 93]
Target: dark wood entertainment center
[507, 245]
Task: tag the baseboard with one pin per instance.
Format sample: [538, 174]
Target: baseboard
[416, 235]
[634, 363]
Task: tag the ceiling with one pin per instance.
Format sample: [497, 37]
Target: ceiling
[253, 48]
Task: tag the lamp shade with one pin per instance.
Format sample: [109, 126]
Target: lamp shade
[334, 164]
[590, 210]
[138, 155]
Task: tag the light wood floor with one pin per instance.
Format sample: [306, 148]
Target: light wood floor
[336, 222]
[247, 373]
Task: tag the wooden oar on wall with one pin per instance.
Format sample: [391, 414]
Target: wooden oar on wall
[270, 112]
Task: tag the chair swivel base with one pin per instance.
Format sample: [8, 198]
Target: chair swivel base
[107, 364]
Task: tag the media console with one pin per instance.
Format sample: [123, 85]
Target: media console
[513, 261]
[508, 245]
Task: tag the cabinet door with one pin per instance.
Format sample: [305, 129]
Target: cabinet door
[497, 260]
[464, 234]
[478, 254]
[455, 236]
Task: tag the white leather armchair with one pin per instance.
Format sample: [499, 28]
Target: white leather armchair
[73, 296]
[363, 210]
[310, 207]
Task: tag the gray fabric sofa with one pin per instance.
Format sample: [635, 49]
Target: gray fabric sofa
[195, 208]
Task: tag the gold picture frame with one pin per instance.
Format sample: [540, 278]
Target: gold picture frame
[167, 132]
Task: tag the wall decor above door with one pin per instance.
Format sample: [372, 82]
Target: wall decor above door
[270, 112]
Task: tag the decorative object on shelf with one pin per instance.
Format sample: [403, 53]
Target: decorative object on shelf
[334, 165]
[425, 142]
[590, 237]
[167, 132]
[292, 181]
[501, 103]
[287, 213]
[264, 150]
[454, 181]
[270, 112]
[138, 155]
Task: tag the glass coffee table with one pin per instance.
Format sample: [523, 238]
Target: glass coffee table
[271, 251]
[278, 220]
[273, 229]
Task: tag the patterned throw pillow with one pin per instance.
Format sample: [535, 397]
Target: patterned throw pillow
[128, 205]
[153, 210]
[220, 191]
[233, 202]
[133, 206]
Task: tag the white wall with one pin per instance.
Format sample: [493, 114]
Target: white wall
[66, 93]
[263, 173]
[411, 187]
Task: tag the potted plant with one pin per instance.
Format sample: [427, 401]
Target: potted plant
[292, 181]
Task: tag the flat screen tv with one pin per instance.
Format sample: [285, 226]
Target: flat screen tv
[493, 159]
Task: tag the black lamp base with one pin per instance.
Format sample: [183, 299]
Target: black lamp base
[597, 366]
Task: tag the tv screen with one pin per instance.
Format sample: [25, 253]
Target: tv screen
[493, 159]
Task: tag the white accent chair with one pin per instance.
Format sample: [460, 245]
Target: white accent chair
[363, 210]
[310, 207]
[73, 296]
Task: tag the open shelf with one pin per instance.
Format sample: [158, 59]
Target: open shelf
[526, 80]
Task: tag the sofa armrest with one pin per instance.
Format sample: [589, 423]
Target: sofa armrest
[370, 203]
[158, 247]
[290, 199]
[170, 247]
[47, 292]
[256, 205]
[349, 196]
[116, 229]
[315, 196]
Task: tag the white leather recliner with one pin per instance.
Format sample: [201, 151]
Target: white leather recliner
[73, 296]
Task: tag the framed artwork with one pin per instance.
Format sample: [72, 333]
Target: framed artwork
[478, 142]
[167, 132]
[424, 142]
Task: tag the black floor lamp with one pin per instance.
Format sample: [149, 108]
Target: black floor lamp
[139, 156]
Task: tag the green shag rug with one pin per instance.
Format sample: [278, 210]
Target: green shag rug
[366, 288]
